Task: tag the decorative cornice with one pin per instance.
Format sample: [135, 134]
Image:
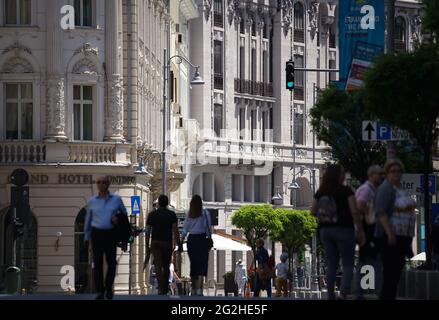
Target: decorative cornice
[313, 14]
[86, 49]
[17, 65]
[17, 47]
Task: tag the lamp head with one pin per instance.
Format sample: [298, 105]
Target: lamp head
[197, 80]
[293, 186]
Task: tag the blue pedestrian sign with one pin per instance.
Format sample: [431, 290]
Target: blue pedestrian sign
[135, 205]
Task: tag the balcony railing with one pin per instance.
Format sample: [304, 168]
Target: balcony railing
[218, 81]
[254, 87]
[23, 152]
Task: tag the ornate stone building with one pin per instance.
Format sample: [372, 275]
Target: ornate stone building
[75, 104]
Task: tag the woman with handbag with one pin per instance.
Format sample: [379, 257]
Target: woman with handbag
[198, 224]
[395, 211]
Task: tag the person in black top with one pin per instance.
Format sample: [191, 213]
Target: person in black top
[162, 226]
[335, 207]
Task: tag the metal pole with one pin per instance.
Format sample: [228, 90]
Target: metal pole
[14, 247]
[314, 276]
[390, 48]
[165, 80]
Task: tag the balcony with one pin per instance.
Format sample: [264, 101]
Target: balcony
[254, 88]
[21, 152]
[218, 81]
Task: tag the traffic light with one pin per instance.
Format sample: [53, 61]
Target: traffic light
[18, 228]
[289, 70]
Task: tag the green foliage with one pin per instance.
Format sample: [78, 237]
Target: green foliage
[403, 90]
[337, 118]
[256, 221]
[430, 21]
[298, 226]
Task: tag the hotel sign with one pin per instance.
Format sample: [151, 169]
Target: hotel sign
[65, 178]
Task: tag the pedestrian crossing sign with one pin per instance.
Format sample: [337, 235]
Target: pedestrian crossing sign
[135, 205]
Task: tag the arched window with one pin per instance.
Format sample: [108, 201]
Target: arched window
[26, 250]
[400, 34]
[83, 272]
[299, 23]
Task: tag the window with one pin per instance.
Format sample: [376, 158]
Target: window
[299, 77]
[253, 75]
[264, 67]
[332, 37]
[242, 26]
[218, 119]
[218, 13]
[264, 125]
[18, 12]
[218, 65]
[242, 124]
[265, 31]
[242, 62]
[253, 27]
[299, 23]
[218, 57]
[19, 111]
[298, 125]
[83, 13]
[83, 112]
[400, 34]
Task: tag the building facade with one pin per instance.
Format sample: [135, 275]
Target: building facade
[74, 104]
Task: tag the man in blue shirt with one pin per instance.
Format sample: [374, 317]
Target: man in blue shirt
[99, 228]
[263, 279]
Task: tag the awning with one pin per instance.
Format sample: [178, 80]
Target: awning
[223, 243]
[419, 257]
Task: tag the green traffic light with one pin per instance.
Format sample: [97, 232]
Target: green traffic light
[290, 84]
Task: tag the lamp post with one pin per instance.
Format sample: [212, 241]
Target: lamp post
[196, 80]
[314, 275]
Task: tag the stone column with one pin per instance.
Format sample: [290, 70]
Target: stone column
[56, 106]
[113, 64]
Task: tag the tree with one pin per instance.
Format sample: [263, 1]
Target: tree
[337, 120]
[257, 222]
[298, 226]
[430, 21]
[402, 90]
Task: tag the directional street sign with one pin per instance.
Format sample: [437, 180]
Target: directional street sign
[135, 205]
[378, 131]
[413, 183]
[369, 130]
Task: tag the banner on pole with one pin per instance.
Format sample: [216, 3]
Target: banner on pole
[361, 26]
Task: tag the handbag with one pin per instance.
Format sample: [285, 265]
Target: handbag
[209, 236]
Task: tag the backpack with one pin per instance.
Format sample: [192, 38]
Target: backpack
[327, 210]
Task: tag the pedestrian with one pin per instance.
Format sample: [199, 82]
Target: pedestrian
[282, 270]
[163, 230]
[336, 210]
[197, 224]
[435, 243]
[365, 197]
[395, 211]
[99, 228]
[240, 277]
[174, 279]
[263, 271]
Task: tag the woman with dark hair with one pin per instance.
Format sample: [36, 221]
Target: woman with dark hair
[198, 224]
[335, 207]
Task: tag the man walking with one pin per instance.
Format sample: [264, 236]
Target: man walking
[100, 223]
[162, 224]
[365, 197]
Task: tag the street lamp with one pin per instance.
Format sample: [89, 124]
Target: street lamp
[196, 80]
